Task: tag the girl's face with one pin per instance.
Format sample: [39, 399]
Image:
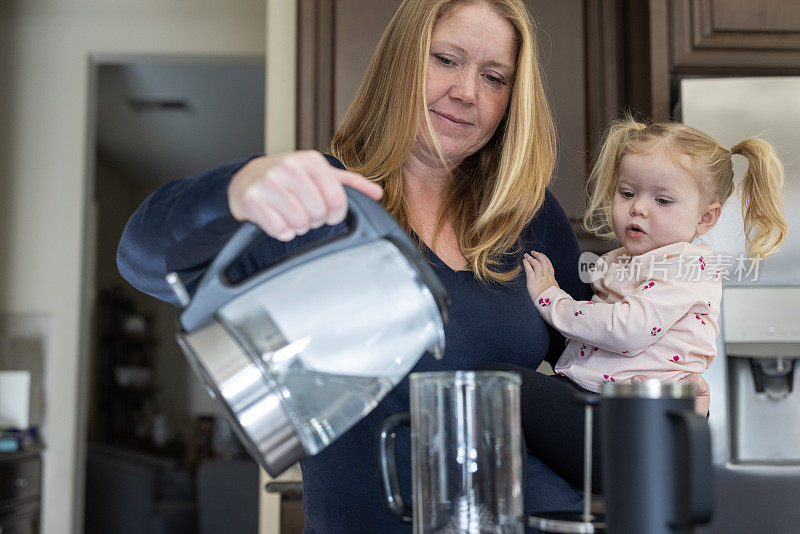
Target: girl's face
[657, 203]
[468, 84]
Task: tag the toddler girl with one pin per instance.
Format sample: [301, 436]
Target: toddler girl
[656, 303]
[655, 306]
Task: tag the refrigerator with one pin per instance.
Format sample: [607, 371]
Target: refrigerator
[755, 378]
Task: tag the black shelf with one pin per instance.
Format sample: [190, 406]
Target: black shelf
[124, 339]
[20, 490]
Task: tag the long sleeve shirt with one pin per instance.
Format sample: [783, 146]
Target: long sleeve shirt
[653, 315]
[186, 222]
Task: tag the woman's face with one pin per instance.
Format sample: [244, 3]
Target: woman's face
[468, 85]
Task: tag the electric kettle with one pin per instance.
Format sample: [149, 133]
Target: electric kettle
[301, 351]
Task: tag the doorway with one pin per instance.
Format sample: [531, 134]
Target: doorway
[151, 425]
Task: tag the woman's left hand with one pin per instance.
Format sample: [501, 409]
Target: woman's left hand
[702, 400]
[539, 273]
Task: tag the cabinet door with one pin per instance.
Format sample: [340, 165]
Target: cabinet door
[335, 43]
[736, 36]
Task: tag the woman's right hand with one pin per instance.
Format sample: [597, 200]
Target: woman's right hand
[286, 195]
[702, 399]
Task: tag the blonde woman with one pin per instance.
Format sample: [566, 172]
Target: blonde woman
[655, 188]
[450, 130]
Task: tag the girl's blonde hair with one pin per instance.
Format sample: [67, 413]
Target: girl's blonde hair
[493, 193]
[765, 227]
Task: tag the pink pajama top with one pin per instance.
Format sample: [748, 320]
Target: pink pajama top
[653, 315]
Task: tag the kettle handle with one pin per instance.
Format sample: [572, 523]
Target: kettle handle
[698, 441]
[366, 221]
[387, 465]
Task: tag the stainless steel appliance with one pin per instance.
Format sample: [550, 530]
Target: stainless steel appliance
[303, 350]
[755, 380]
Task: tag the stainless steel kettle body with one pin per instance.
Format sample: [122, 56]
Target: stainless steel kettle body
[303, 350]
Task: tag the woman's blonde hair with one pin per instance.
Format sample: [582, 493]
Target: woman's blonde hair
[762, 209]
[493, 193]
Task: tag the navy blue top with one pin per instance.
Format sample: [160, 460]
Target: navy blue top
[184, 224]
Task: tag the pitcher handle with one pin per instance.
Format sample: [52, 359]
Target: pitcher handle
[366, 221]
[214, 290]
[390, 483]
[698, 442]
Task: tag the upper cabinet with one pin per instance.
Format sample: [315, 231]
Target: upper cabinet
[336, 39]
[735, 36]
[676, 38]
[600, 58]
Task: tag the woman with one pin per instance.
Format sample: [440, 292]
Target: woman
[452, 131]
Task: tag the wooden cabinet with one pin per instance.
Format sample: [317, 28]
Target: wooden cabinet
[336, 39]
[20, 492]
[662, 41]
[599, 58]
[735, 36]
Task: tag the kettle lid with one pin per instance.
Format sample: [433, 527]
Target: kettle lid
[649, 389]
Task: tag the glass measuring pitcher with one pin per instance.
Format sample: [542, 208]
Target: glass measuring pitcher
[466, 453]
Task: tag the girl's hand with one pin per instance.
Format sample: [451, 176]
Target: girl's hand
[539, 274]
[286, 195]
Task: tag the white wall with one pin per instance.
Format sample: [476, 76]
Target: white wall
[279, 126]
[45, 46]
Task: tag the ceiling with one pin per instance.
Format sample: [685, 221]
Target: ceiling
[163, 119]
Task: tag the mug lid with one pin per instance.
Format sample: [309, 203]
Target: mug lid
[462, 377]
[649, 389]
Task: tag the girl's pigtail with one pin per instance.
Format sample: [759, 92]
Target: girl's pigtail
[765, 227]
[602, 181]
